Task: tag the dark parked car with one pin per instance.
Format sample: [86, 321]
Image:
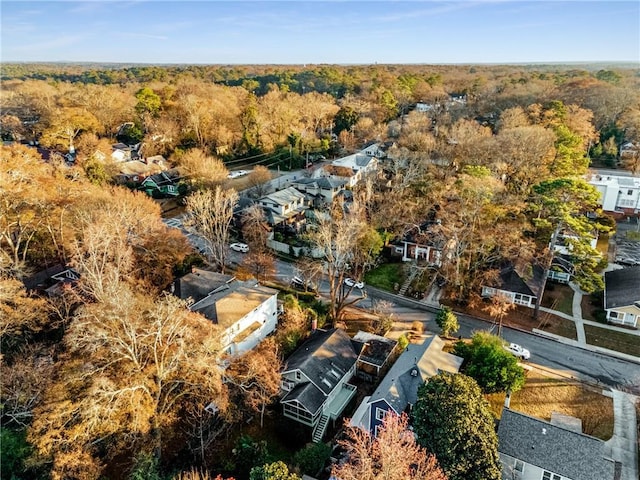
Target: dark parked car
[299, 284]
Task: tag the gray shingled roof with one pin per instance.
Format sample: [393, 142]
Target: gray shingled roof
[621, 287]
[199, 283]
[375, 349]
[325, 183]
[283, 197]
[308, 395]
[512, 281]
[363, 160]
[399, 387]
[325, 352]
[552, 448]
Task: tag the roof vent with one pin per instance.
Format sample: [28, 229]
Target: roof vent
[414, 372]
[544, 431]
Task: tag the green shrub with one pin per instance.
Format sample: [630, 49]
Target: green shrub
[312, 458]
[15, 450]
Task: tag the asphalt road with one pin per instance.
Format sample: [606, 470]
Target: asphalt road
[581, 364]
[566, 360]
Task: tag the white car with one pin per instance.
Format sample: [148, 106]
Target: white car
[238, 174]
[518, 351]
[350, 282]
[239, 247]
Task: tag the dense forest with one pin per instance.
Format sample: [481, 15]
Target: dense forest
[110, 379]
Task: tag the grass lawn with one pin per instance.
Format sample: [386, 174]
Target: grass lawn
[386, 276]
[592, 308]
[558, 326]
[618, 341]
[559, 297]
[542, 395]
[522, 317]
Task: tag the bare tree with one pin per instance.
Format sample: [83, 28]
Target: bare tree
[392, 455]
[133, 367]
[343, 238]
[255, 229]
[210, 214]
[258, 181]
[102, 254]
[500, 305]
[23, 384]
[260, 263]
[309, 271]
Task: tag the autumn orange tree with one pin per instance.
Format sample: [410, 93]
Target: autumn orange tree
[133, 367]
[392, 454]
[253, 379]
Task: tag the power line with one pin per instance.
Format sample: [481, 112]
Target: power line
[246, 158]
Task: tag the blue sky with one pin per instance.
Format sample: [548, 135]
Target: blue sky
[336, 32]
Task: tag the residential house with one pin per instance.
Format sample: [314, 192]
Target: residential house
[51, 281]
[518, 287]
[135, 171]
[533, 449]
[375, 150]
[285, 208]
[359, 163]
[618, 193]
[629, 149]
[245, 311]
[374, 356]
[562, 269]
[123, 153]
[160, 185]
[420, 244]
[398, 391]
[563, 244]
[622, 296]
[315, 380]
[321, 190]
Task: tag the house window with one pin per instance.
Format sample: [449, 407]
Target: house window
[629, 192]
[550, 476]
[519, 466]
[616, 315]
[522, 299]
[287, 385]
[380, 413]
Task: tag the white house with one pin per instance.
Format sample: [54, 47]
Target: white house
[618, 193]
[533, 449]
[374, 150]
[622, 296]
[563, 244]
[361, 164]
[517, 287]
[245, 311]
[322, 189]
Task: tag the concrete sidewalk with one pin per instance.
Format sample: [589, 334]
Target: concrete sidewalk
[622, 447]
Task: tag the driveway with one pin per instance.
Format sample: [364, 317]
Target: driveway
[623, 445]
